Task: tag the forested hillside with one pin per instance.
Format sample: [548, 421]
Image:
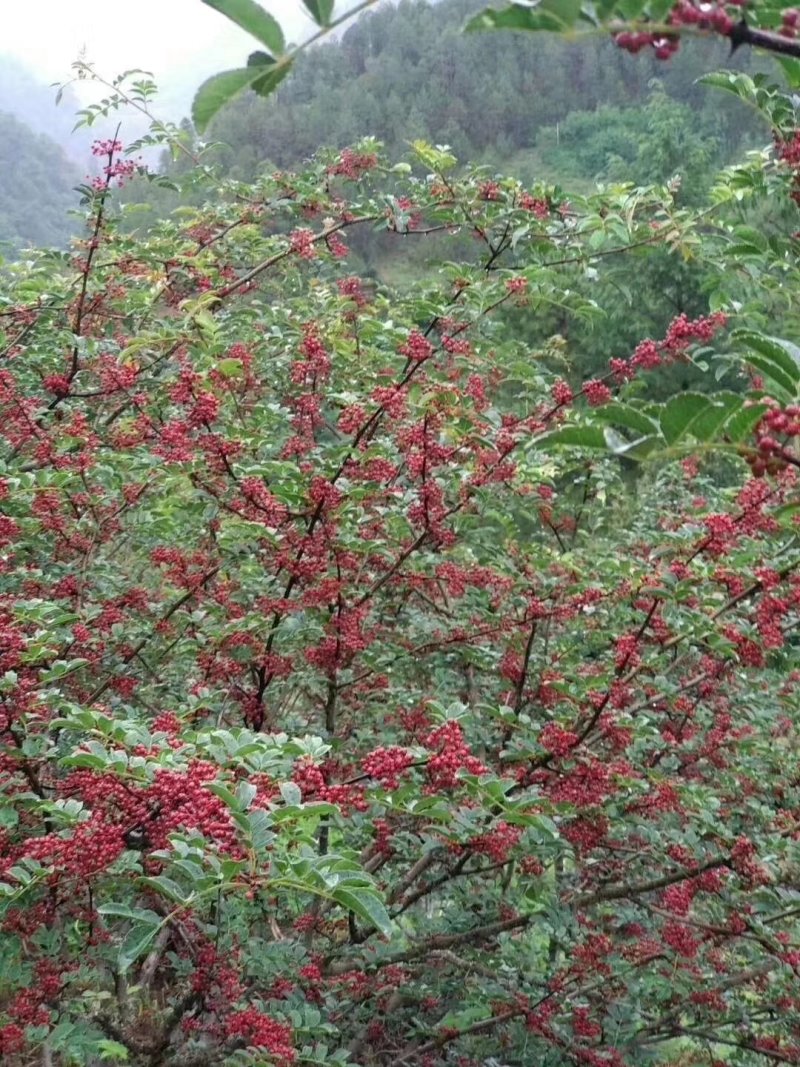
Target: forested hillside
[544, 108]
[36, 188]
[408, 72]
[33, 102]
[40, 160]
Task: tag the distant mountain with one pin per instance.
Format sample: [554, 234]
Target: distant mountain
[36, 183]
[34, 104]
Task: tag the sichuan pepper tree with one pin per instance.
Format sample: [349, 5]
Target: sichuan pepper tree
[354, 707]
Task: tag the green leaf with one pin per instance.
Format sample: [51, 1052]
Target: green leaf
[230, 368]
[253, 19]
[112, 1050]
[787, 513]
[639, 449]
[624, 415]
[782, 354]
[166, 887]
[320, 10]
[578, 436]
[658, 9]
[791, 69]
[708, 423]
[741, 85]
[679, 413]
[460, 1020]
[219, 90]
[748, 235]
[259, 59]
[270, 81]
[136, 944]
[367, 905]
[780, 383]
[629, 10]
[313, 811]
[225, 795]
[84, 759]
[259, 829]
[552, 15]
[741, 423]
[291, 794]
[245, 794]
[125, 911]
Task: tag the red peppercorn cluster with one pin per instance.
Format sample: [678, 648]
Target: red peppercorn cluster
[352, 164]
[313, 785]
[417, 348]
[498, 843]
[261, 1031]
[336, 246]
[535, 204]
[626, 653]
[308, 777]
[556, 740]
[302, 242]
[596, 392]
[561, 393]
[12, 1039]
[681, 333]
[120, 171]
[584, 1026]
[775, 433]
[680, 939]
[746, 865]
[788, 149]
[517, 285]
[489, 191]
[184, 802]
[531, 866]
[663, 45]
[216, 977]
[591, 954]
[311, 973]
[352, 289]
[702, 15]
[678, 898]
[453, 755]
[106, 148]
[386, 765]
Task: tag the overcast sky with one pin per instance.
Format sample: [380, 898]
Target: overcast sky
[180, 41]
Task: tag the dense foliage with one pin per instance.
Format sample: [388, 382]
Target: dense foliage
[538, 107]
[354, 708]
[383, 680]
[479, 98]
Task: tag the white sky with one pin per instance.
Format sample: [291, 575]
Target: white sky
[179, 41]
